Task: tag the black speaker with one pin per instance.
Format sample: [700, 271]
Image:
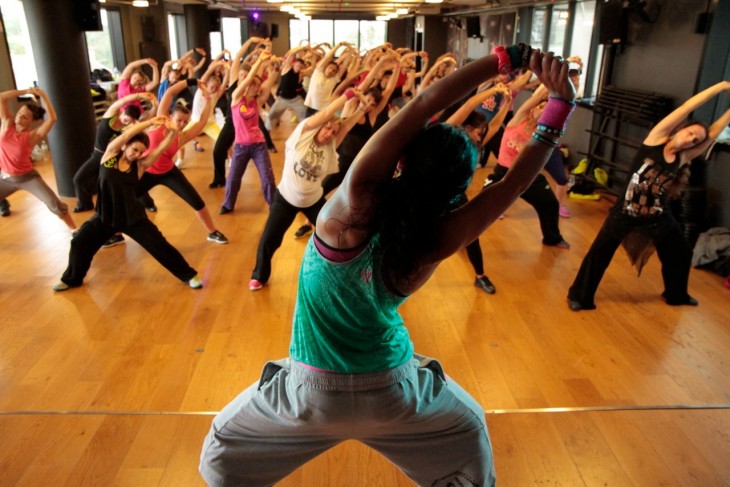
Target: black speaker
[149, 30]
[260, 29]
[274, 31]
[214, 19]
[613, 25]
[88, 15]
[473, 27]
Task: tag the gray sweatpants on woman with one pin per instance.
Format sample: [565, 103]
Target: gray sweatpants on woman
[419, 419]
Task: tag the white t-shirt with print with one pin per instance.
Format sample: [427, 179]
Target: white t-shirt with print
[305, 165]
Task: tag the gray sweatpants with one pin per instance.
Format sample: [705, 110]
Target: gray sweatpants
[419, 419]
[33, 183]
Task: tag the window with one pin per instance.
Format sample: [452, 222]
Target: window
[99, 47]
[362, 34]
[321, 31]
[372, 33]
[558, 26]
[581, 41]
[216, 44]
[346, 31]
[231, 27]
[16, 32]
[537, 33]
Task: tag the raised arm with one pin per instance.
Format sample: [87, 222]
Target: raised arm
[240, 90]
[154, 154]
[115, 107]
[40, 132]
[163, 109]
[458, 117]
[118, 142]
[155, 76]
[462, 226]
[130, 68]
[324, 116]
[236, 63]
[6, 115]
[661, 131]
[539, 95]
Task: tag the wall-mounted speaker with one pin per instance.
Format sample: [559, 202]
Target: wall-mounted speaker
[613, 26]
[214, 19]
[88, 15]
[274, 31]
[473, 27]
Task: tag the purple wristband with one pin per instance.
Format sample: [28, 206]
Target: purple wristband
[556, 113]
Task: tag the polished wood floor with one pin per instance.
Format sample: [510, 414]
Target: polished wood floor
[115, 383]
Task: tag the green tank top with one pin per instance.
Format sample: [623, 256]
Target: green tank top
[345, 319]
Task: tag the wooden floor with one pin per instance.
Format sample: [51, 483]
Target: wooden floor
[115, 383]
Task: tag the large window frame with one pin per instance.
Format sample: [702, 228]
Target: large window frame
[333, 31]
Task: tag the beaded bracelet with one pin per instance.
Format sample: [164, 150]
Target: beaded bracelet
[550, 130]
[544, 140]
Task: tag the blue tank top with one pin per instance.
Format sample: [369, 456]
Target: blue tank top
[345, 319]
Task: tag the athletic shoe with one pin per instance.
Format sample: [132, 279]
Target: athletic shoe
[197, 147]
[303, 231]
[81, 208]
[217, 184]
[151, 209]
[195, 282]
[561, 245]
[115, 239]
[254, 285]
[563, 211]
[485, 285]
[61, 286]
[224, 210]
[180, 163]
[4, 208]
[217, 237]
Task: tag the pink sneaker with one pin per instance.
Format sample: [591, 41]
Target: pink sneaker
[563, 211]
[254, 285]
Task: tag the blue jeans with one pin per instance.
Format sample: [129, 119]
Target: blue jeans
[419, 419]
[242, 153]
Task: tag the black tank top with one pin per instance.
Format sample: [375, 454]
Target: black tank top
[105, 133]
[117, 204]
[289, 85]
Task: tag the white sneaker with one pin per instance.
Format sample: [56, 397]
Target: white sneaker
[195, 282]
[179, 163]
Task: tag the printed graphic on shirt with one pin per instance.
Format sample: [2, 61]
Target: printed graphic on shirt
[646, 189]
[312, 163]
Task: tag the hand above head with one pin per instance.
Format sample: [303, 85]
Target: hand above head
[553, 73]
[158, 120]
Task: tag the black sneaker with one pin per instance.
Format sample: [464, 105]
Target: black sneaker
[217, 237]
[485, 285]
[224, 210]
[217, 184]
[303, 231]
[112, 241]
[151, 209]
[81, 208]
[4, 208]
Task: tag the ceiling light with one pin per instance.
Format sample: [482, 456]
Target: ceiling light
[275, 1]
[140, 3]
[286, 8]
[402, 11]
[382, 17]
[434, 1]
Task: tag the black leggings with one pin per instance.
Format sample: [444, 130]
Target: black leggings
[92, 235]
[541, 197]
[85, 180]
[281, 216]
[220, 152]
[176, 181]
[672, 248]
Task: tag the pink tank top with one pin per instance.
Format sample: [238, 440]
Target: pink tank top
[515, 138]
[246, 122]
[165, 162]
[15, 151]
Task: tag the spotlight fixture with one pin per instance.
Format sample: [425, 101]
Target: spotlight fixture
[140, 3]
